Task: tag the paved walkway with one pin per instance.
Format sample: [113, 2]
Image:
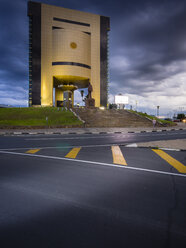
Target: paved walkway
[179, 144]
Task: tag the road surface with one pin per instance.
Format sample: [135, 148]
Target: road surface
[91, 191]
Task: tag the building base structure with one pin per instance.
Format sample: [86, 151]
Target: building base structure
[68, 50]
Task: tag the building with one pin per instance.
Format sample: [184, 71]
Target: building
[68, 49]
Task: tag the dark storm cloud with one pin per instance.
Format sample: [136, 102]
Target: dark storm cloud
[150, 39]
[13, 43]
[147, 42]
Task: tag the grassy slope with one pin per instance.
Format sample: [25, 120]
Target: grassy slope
[170, 123]
[37, 117]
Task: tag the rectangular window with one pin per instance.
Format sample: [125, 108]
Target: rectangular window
[72, 22]
[54, 27]
[87, 33]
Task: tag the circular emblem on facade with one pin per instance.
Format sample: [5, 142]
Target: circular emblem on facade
[73, 45]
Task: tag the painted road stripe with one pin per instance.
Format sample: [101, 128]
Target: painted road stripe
[69, 138]
[172, 161]
[118, 156]
[96, 163]
[73, 153]
[32, 151]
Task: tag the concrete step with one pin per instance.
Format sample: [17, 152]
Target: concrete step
[94, 117]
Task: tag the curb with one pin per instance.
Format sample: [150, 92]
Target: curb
[86, 132]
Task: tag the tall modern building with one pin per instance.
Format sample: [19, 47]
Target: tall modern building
[68, 49]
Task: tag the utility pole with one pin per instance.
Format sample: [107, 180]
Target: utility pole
[158, 107]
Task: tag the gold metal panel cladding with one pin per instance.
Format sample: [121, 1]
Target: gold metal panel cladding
[73, 45]
[70, 50]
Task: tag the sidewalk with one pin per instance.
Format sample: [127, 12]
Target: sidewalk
[177, 144]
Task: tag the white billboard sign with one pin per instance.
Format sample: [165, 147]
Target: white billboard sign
[119, 99]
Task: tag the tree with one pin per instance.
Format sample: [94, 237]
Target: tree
[82, 93]
[180, 116]
[112, 106]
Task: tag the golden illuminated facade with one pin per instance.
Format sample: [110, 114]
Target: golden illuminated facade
[67, 51]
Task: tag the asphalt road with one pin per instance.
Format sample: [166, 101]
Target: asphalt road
[71, 191]
[27, 141]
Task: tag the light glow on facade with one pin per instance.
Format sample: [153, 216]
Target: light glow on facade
[67, 47]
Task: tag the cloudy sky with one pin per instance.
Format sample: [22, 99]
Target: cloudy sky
[147, 51]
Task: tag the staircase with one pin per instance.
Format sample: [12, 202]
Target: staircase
[95, 117]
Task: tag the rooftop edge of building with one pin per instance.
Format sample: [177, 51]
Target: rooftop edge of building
[40, 3]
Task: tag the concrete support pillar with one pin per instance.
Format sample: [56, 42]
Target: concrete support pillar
[72, 98]
[58, 95]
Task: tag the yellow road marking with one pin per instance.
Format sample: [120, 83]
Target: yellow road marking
[118, 156]
[33, 151]
[172, 161]
[73, 153]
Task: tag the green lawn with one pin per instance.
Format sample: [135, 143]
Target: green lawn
[164, 122]
[37, 117]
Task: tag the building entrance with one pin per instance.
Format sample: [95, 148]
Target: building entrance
[59, 104]
[64, 95]
[67, 96]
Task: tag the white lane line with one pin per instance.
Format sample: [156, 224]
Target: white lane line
[122, 143]
[57, 147]
[68, 138]
[167, 134]
[158, 134]
[97, 163]
[104, 136]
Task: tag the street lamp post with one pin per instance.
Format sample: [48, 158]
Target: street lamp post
[82, 93]
[158, 107]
